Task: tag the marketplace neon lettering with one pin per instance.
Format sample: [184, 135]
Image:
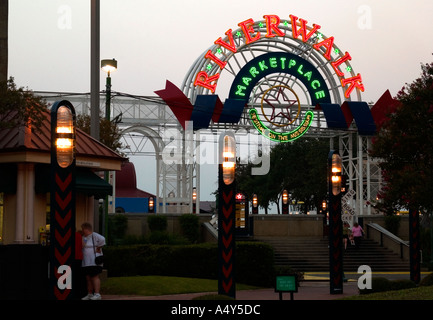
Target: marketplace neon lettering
[299, 30]
[280, 62]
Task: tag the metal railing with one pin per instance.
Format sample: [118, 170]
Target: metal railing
[388, 240]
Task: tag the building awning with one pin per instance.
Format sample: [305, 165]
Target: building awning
[89, 183]
[86, 182]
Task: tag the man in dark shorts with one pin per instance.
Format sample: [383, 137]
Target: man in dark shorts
[92, 248]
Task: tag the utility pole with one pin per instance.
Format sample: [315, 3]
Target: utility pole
[94, 68]
[4, 16]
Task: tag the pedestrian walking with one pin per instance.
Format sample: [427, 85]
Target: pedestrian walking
[346, 230]
[358, 233]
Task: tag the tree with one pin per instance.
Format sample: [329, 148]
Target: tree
[299, 167]
[109, 131]
[20, 107]
[404, 145]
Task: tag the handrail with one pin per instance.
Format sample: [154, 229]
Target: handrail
[388, 235]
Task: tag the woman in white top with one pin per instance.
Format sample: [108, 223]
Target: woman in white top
[92, 248]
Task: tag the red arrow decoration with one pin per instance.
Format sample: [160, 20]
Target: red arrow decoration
[63, 184]
[227, 242]
[228, 271]
[63, 202]
[63, 221]
[62, 258]
[228, 285]
[62, 240]
[228, 226]
[61, 295]
[228, 256]
[227, 211]
[227, 197]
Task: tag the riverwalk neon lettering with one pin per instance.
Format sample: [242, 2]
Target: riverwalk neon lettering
[272, 22]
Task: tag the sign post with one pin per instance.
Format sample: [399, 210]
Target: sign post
[286, 283]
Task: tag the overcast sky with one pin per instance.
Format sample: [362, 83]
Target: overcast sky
[155, 40]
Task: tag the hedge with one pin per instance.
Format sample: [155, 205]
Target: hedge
[254, 262]
[380, 284]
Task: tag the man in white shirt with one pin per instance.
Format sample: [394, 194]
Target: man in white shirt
[92, 248]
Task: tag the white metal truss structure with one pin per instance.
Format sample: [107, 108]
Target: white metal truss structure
[145, 119]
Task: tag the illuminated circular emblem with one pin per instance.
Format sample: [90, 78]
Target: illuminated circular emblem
[280, 106]
[279, 117]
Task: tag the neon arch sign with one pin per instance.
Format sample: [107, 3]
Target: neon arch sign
[272, 22]
[206, 71]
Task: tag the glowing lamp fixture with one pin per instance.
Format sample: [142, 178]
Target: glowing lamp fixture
[285, 197]
[255, 200]
[194, 195]
[65, 137]
[109, 65]
[324, 205]
[336, 168]
[151, 204]
[229, 159]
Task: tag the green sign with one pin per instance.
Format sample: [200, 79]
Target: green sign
[278, 136]
[280, 62]
[286, 283]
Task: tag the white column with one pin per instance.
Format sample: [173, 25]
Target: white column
[19, 217]
[30, 202]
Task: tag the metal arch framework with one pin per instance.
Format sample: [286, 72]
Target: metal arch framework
[247, 51]
[362, 172]
[149, 118]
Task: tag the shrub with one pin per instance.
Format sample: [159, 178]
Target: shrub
[382, 284]
[213, 297]
[378, 284]
[117, 225]
[157, 222]
[254, 264]
[392, 223]
[402, 284]
[189, 224]
[427, 280]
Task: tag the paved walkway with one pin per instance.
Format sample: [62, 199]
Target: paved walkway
[308, 290]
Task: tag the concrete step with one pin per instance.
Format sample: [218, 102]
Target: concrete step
[305, 254]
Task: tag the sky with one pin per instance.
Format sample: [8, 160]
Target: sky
[156, 40]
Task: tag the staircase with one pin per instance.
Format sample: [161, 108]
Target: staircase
[309, 255]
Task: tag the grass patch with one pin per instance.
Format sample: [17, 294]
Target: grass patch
[160, 285]
[419, 293]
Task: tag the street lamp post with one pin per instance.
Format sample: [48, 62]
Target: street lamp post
[336, 274]
[62, 201]
[194, 200]
[285, 202]
[108, 66]
[255, 204]
[226, 215]
[151, 205]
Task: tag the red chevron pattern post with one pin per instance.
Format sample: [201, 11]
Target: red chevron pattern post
[414, 246]
[62, 218]
[336, 273]
[226, 239]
